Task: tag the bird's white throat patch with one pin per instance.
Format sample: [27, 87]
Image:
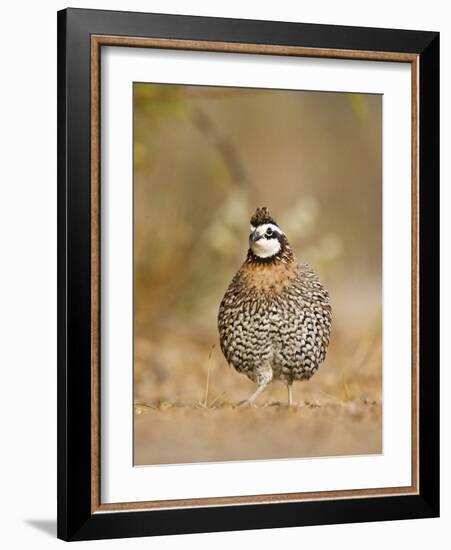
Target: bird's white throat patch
[265, 248]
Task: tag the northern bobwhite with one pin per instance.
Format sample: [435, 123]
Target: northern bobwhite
[275, 318]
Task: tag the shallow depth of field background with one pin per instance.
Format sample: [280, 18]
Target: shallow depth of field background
[204, 159]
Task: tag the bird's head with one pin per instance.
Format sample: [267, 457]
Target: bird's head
[267, 242]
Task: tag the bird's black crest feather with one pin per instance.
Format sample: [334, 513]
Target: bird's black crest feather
[262, 216]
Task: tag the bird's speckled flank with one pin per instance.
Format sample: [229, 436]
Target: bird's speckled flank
[275, 318]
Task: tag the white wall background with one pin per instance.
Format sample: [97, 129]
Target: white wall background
[28, 271]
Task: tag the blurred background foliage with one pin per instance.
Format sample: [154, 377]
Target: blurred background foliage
[204, 159]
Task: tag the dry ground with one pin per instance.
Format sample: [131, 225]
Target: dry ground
[180, 433]
[186, 396]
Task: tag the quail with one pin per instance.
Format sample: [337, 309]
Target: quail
[274, 320]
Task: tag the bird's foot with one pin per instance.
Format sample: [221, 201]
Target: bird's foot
[246, 403]
[253, 397]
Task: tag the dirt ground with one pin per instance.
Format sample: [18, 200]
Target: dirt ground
[179, 434]
[188, 412]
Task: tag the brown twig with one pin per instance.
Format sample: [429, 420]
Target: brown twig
[216, 398]
[225, 146]
[207, 385]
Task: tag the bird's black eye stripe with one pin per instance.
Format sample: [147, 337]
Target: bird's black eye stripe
[269, 232]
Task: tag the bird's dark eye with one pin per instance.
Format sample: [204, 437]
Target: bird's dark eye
[269, 232]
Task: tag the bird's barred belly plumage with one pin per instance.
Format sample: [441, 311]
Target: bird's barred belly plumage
[275, 333]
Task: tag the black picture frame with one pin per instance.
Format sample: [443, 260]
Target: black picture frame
[76, 520]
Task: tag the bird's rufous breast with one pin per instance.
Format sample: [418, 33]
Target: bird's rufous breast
[268, 278]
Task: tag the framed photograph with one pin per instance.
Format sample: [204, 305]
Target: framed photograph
[248, 274]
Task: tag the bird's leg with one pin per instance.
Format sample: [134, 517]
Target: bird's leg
[263, 378]
[290, 394]
[254, 396]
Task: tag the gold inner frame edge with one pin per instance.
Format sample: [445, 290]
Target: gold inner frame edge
[97, 41]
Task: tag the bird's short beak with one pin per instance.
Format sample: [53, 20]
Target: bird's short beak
[255, 236]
